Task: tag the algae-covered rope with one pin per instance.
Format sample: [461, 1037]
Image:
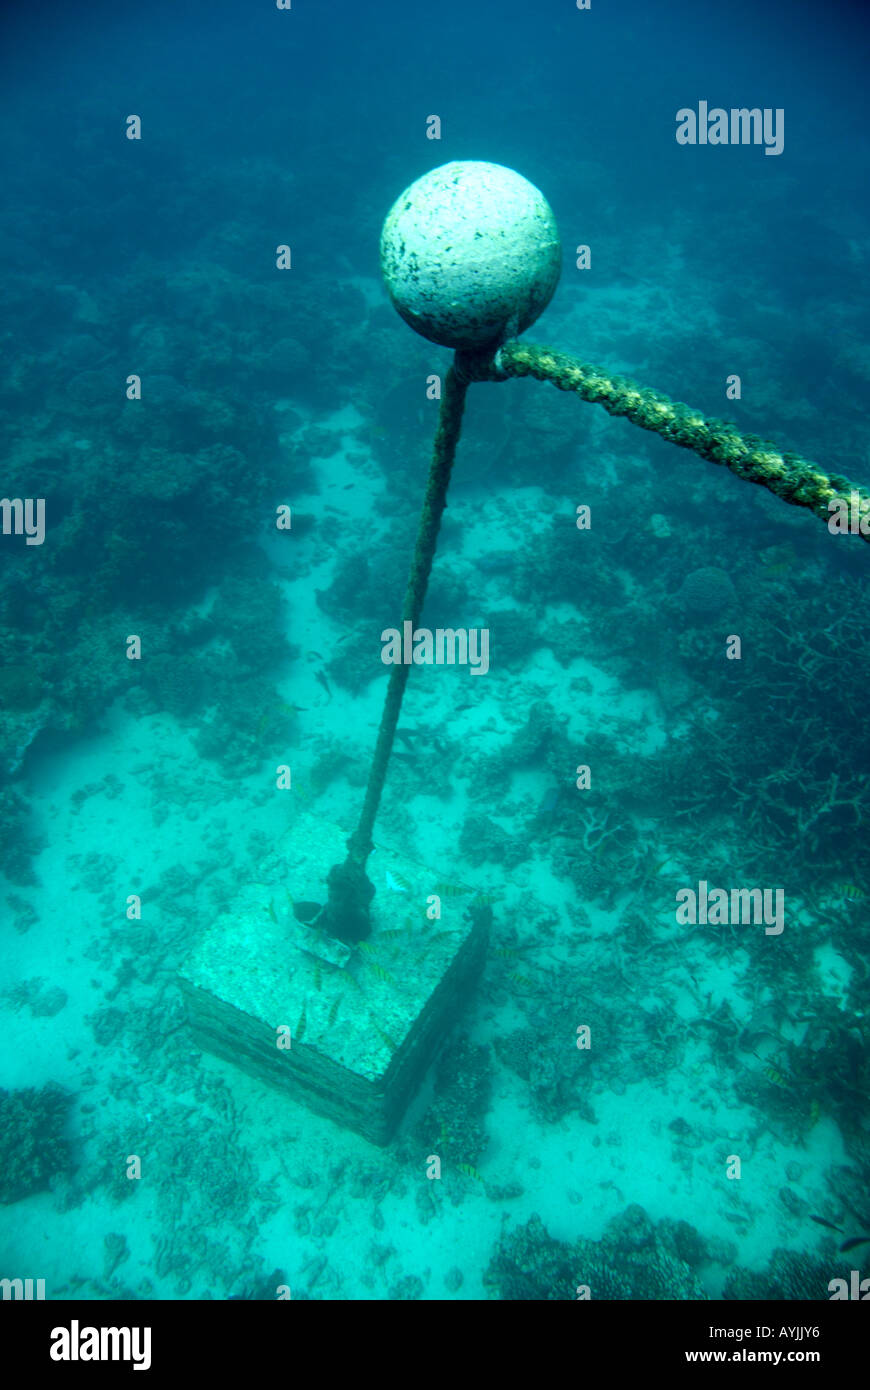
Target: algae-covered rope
[786, 474]
[350, 891]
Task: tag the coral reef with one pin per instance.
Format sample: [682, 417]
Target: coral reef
[707, 591]
[634, 1259]
[33, 1144]
[454, 1125]
[790, 1275]
[19, 839]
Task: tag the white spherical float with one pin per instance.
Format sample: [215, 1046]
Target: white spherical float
[470, 254]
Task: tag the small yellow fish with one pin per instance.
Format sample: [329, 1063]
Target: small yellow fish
[299, 1033]
[778, 569]
[333, 1012]
[775, 1076]
[380, 973]
[850, 891]
[385, 1037]
[485, 899]
[397, 882]
[522, 980]
[451, 890]
[469, 1171]
[505, 952]
[318, 977]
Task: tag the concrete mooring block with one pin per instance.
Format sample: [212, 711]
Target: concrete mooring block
[347, 1031]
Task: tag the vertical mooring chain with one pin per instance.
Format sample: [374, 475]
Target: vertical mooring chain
[350, 891]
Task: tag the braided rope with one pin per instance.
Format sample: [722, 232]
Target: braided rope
[786, 474]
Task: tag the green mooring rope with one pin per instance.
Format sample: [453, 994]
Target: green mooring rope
[786, 474]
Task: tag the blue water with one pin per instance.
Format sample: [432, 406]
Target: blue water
[721, 1102]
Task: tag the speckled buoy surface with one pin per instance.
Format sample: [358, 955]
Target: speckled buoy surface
[470, 254]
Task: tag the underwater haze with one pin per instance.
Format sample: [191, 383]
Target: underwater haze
[625, 859]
